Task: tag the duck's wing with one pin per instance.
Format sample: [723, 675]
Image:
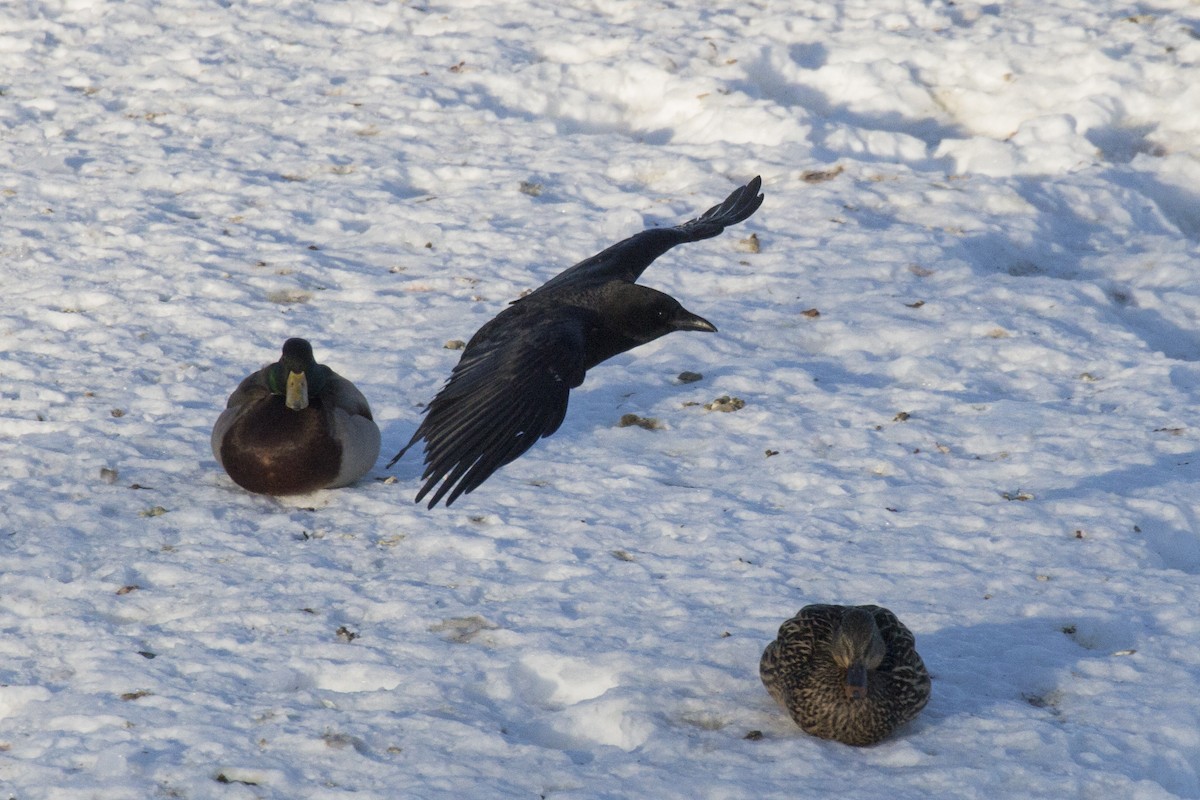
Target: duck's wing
[896, 635]
[345, 395]
[906, 681]
[252, 387]
[908, 676]
[628, 259]
[786, 660]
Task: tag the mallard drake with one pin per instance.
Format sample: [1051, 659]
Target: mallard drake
[850, 673]
[295, 426]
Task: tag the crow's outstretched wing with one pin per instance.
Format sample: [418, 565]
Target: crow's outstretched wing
[511, 386]
[628, 259]
[509, 390]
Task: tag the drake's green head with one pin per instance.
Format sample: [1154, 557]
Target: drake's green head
[296, 375]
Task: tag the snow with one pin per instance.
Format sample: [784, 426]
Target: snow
[983, 421]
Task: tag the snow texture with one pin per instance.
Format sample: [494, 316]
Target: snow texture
[963, 326]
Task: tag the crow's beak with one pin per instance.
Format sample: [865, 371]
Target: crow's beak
[687, 321]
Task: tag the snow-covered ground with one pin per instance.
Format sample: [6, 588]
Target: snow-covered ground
[968, 345]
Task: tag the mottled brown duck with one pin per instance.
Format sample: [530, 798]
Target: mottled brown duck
[848, 673]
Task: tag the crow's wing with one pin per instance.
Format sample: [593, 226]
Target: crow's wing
[509, 390]
[628, 259]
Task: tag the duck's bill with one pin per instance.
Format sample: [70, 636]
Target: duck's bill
[296, 397]
[856, 681]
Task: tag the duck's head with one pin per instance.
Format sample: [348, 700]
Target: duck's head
[296, 375]
[857, 647]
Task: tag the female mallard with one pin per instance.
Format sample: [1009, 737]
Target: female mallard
[849, 673]
[295, 426]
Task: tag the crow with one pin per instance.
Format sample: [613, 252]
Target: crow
[510, 387]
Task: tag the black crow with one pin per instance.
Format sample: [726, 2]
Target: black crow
[510, 387]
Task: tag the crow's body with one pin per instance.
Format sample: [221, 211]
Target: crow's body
[510, 388]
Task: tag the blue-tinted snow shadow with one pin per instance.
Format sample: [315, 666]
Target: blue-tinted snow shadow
[1159, 333]
[826, 115]
[221, 247]
[396, 434]
[1030, 666]
[1064, 239]
[764, 82]
[978, 667]
[1120, 145]
[829, 376]
[1060, 240]
[1179, 205]
[564, 124]
[1064, 233]
[1178, 547]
